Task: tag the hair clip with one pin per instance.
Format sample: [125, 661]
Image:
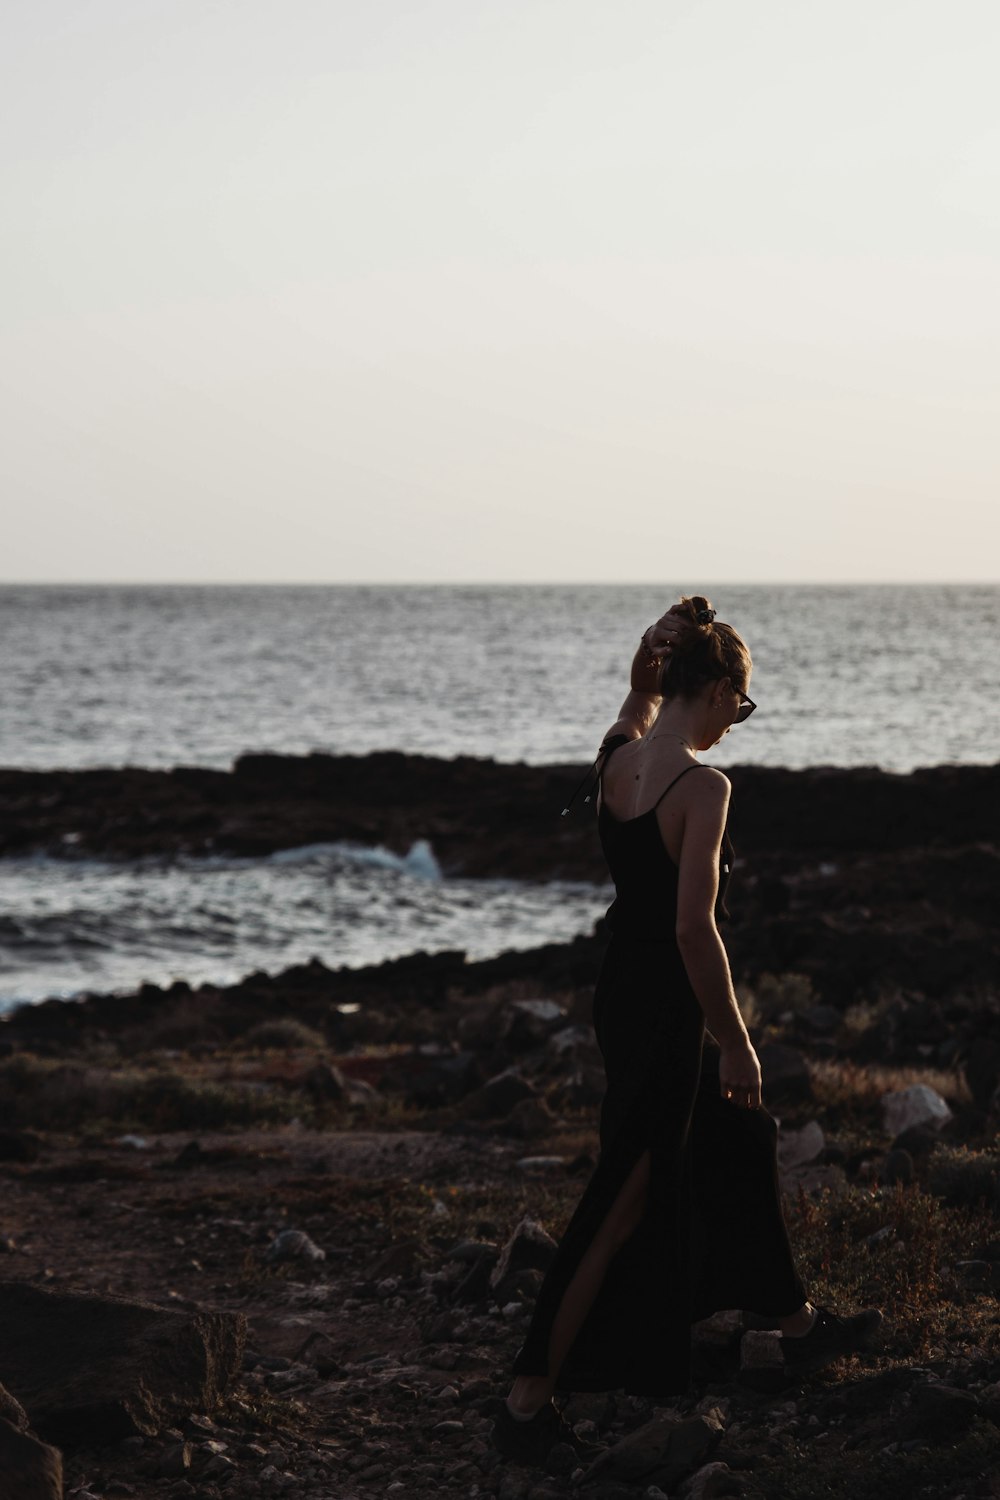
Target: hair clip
[705, 616]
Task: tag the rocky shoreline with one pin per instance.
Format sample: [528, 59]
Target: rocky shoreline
[483, 818]
[327, 1196]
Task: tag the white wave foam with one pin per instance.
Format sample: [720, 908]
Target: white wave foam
[419, 861]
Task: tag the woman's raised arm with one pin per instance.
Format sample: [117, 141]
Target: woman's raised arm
[643, 702]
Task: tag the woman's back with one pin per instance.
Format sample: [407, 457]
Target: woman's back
[644, 873]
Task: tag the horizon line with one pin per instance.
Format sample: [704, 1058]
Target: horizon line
[413, 583]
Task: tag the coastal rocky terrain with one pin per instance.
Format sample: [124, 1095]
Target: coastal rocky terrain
[283, 1237]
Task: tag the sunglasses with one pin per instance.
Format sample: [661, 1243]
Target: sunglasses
[746, 708]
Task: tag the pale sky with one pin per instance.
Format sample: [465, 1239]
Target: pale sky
[513, 290]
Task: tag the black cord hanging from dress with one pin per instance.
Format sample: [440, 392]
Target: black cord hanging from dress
[593, 774]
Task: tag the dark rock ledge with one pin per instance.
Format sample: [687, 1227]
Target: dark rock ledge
[482, 818]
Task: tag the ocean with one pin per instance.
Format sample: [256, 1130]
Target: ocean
[894, 676]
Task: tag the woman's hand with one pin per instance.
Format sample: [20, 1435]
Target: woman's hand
[657, 642]
[660, 639]
[739, 1074]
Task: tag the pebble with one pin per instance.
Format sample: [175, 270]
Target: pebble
[293, 1244]
[218, 1467]
[276, 1482]
[175, 1461]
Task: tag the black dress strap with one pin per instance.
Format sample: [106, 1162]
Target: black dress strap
[676, 779]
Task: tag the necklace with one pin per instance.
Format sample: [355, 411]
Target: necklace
[668, 733]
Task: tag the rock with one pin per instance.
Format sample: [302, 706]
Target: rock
[785, 1074]
[919, 1140]
[797, 1147]
[91, 1370]
[469, 1251]
[710, 1482]
[815, 1177]
[529, 1118]
[974, 1272]
[475, 1286]
[325, 1081]
[361, 1095]
[433, 1082]
[961, 1176]
[218, 1467]
[897, 1167]
[528, 1023]
[595, 1407]
[917, 1105]
[530, 1247]
[660, 1452]
[12, 1411]
[29, 1470]
[498, 1096]
[562, 1459]
[19, 1145]
[822, 1018]
[293, 1244]
[938, 1412]
[175, 1461]
[583, 1089]
[397, 1259]
[989, 1401]
[762, 1367]
[573, 1045]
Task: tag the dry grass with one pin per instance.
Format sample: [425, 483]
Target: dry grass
[284, 1033]
[909, 1271]
[54, 1095]
[954, 1471]
[771, 995]
[843, 1085]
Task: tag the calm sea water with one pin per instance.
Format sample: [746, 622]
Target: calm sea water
[885, 676]
[892, 677]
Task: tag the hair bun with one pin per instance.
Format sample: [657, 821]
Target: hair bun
[705, 616]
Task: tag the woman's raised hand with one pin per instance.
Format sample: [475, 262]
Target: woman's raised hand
[660, 639]
[739, 1074]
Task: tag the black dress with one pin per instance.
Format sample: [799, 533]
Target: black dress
[713, 1235]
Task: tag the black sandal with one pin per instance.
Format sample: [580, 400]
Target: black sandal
[830, 1337]
[532, 1441]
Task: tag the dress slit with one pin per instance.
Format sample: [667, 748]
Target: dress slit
[635, 1332]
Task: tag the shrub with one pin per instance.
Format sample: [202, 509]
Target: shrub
[963, 1178]
[285, 1032]
[60, 1096]
[773, 994]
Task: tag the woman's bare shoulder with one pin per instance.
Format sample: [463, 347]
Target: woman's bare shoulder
[712, 790]
[717, 778]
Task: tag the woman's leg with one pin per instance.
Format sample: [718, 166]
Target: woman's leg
[530, 1392]
[799, 1322]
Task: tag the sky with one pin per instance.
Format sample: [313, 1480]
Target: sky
[500, 290]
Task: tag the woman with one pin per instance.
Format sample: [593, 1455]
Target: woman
[682, 1215]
